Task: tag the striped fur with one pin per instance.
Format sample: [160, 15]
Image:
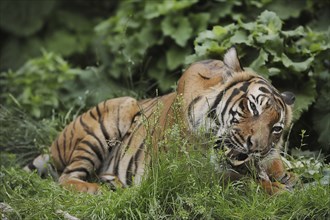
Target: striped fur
[244, 111]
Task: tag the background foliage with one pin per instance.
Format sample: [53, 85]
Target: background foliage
[59, 56]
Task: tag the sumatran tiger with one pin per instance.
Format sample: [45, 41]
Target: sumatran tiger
[244, 111]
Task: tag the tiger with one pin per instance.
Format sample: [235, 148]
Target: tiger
[243, 111]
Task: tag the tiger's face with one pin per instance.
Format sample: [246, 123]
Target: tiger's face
[242, 109]
[254, 120]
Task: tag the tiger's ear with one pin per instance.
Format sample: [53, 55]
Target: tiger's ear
[288, 97]
[231, 60]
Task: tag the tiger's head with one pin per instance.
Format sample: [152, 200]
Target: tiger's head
[245, 112]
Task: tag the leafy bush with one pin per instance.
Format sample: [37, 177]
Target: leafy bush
[59, 26]
[37, 86]
[292, 57]
[289, 44]
[153, 38]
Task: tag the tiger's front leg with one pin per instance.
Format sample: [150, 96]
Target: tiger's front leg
[279, 179]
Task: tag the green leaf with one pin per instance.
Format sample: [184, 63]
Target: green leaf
[154, 9]
[74, 21]
[299, 31]
[274, 71]
[15, 52]
[240, 37]
[271, 20]
[258, 64]
[62, 42]
[304, 98]
[321, 113]
[175, 57]
[200, 21]
[286, 10]
[219, 31]
[164, 80]
[272, 43]
[296, 66]
[322, 126]
[178, 28]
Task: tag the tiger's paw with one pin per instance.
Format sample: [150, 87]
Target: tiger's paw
[289, 180]
[112, 180]
[81, 186]
[274, 188]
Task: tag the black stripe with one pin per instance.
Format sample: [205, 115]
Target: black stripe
[103, 129]
[213, 115]
[87, 130]
[64, 142]
[100, 143]
[116, 162]
[221, 94]
[254, 98]
[280, 101]
[74, 129]
[151, 105]
[217, 100]
[75, 145]
[78, 158]
[264, 89]
[98, 111]
[245, 86]
[191, 108]
[92, 115]
[137, 156]
[130, 140]
[129, 172]
[260, 95]
[84, 125]
[71, 138]
[59, 152]
[240, 114]
[228, 101]
[86, 151]
[78, 169]
[262, 81]
[240, 136]
[94, 149]
[236, 143]
[117, 121]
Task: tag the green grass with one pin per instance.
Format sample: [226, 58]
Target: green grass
[176, 188]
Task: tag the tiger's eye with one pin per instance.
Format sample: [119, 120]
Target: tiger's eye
[277, 129]
[235, 121]
[253, 106]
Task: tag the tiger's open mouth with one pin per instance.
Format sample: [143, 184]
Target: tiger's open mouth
[236, 155]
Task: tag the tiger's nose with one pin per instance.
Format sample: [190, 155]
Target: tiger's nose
[255, 147]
